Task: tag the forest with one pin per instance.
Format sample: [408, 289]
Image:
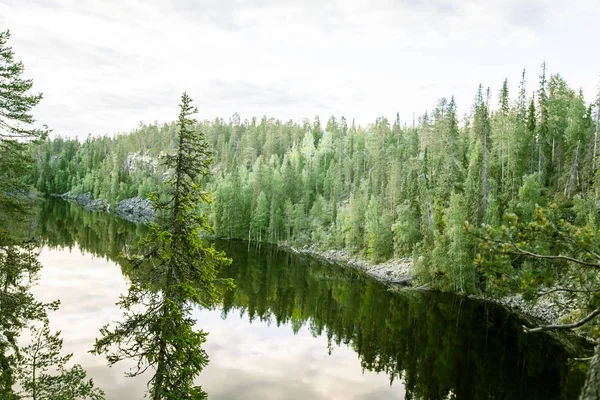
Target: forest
[499, 199]
[388, 189]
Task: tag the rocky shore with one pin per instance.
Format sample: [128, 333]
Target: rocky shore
[551, 309]
[135, 209]
[85, 199]
[394, 272]
[554, 308]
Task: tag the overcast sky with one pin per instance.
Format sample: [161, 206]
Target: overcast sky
[106, 65]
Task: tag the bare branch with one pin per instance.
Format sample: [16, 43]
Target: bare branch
[564, 326]
[520, 251]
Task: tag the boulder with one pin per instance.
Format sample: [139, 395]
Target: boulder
[83, 198]
[97, 205]
[136, 209]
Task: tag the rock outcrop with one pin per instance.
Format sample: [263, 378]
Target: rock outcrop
[396, 271]
[135, 209]
[86, 201]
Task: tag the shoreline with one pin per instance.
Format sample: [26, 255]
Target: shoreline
[396, 273]
[134, 209]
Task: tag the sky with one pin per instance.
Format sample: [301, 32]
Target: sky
[104, 66]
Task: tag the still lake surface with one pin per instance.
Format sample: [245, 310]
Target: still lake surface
[297, 328]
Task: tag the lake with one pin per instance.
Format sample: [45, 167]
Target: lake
[298, 328]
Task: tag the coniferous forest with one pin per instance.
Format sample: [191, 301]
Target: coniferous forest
[393, 188]
[498, 199]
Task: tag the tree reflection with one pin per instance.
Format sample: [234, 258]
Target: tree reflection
[437, 346]
[37, 370]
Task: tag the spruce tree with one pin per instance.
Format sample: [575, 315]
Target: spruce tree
[180, 273]
[16, 131]
[16, 101]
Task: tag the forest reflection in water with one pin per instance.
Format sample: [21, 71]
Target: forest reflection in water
[430, 346]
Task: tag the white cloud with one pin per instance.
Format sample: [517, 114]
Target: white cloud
[105, 66]
[247, 361]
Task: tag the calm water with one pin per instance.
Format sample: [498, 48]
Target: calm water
[295, 328]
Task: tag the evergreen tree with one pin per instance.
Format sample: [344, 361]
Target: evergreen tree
[181, 272]
[42, 371]
[543, 136]
[16, 131]
[19, 265]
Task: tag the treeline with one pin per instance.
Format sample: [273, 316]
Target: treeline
[392, 188]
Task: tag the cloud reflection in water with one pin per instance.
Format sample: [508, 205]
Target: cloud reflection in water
[254, 360]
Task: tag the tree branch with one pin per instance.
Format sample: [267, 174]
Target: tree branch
[520, 251]
[564, 326]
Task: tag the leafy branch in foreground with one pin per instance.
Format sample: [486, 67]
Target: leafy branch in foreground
[546, 255]
[175, 272]
[548, 251]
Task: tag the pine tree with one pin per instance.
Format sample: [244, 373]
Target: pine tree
[478, 178]
[18, 258]
[531, 129]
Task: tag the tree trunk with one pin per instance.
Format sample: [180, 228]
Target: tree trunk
[484, 178]
[531, 155]
[540, 156]
[594, 157]
[552, 168]
[591, 389]
[573, 173]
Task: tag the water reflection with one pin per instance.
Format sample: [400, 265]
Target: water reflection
[429, 346]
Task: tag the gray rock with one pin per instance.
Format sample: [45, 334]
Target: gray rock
[83, 198]
[97, 205]
[395, 271]
[135, 209]
[64, 196]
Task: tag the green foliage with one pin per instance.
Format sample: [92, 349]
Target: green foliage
[530, 195]
[17, 102]
[536, 254]
[175, 272]
[406, 229]
[16, 131]
[42, 371]
[453, 252]
[161, 336]
[376, 191]
[18, 266]
[378, 231]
